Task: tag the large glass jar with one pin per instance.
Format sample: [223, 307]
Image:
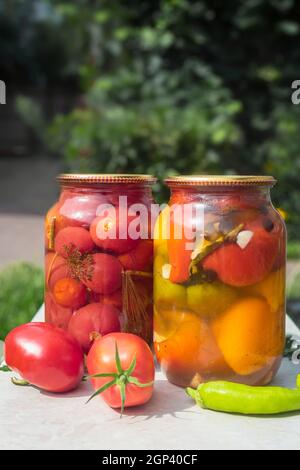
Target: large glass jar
[99, 256]
[219, 281]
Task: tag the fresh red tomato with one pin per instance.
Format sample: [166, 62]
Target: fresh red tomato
[69, 292]
[45, 356]
[110, 231]
[76, 237]
[106, 275]
[124, 360]
[93, 320]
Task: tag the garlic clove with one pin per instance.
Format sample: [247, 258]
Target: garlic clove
[166, 271]
[243, 238]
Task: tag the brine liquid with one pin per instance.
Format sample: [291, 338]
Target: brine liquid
[219, 312]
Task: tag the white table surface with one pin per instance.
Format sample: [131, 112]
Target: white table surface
[31, 419]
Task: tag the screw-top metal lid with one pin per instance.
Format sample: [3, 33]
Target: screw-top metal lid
[220, 180]
[94, 178]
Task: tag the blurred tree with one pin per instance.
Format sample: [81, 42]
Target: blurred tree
[180, 86]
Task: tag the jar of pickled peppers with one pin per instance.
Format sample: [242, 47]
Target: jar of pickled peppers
[99, 256]
[219, 281]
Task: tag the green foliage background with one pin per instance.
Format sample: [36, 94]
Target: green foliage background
[21, 294]
[169, 86]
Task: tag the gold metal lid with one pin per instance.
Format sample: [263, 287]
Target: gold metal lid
[94, 178]
[220, 180]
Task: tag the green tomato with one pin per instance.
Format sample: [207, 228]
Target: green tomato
[209, 299]
[167, 295]
[161, 250]
[159, 261]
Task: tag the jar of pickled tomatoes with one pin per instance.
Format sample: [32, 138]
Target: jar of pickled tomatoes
[219, 281]
[99, 256]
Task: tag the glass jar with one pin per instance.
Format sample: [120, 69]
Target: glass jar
[219, 281]
[99, 256]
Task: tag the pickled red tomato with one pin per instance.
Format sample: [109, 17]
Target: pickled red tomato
[69, 292]
[78, 211]
[56, 314]
[113, 198]
[140, 258]
[108, 230]
[81, 210]
[55, 268]
[106, 275]
[234, 202]
[115, 298]
[276, 226]
[91, 319]
[76, 237]
[240, 267]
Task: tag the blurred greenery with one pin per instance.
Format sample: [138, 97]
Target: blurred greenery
[169, 86]
[293, 250]
[21, 294]
[293, 291]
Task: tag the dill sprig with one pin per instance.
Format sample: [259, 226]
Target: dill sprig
[80, 265]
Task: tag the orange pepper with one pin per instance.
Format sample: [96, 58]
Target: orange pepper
[186, 348]
[249, 335]
[272, 288]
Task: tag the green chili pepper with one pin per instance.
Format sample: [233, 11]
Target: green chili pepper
[230, 397]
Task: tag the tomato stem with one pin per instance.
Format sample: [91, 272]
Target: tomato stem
[121, 378]
[21, 382]
[94, 335]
